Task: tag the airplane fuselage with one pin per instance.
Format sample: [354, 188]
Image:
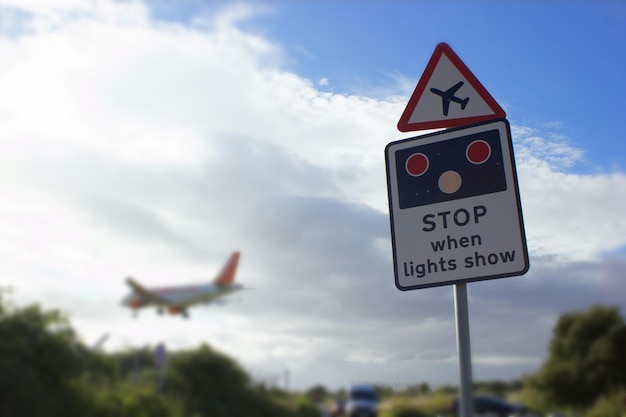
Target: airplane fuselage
[449, 95]
[180, 297]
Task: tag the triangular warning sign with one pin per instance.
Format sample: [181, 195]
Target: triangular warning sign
[448, 95]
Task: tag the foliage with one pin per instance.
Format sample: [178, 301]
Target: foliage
[209, 383]
[498, 388]
[408, 412]
[403, 407]
[317, 393]
[303, 407]
[611, 405]
[130, 402]
[531, 398]
[423, 388]
[46, 371]
[587, 357]
[447, 389]
[383, 391]
[298, 405]
[132, 361]
[435, 403]
[40, 358]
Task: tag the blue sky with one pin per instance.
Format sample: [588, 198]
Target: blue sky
[545, 61]
[153, 138]
[550, 63]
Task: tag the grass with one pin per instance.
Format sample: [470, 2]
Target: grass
[422, 405]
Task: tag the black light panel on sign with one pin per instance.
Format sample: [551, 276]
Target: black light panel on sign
[449, 170]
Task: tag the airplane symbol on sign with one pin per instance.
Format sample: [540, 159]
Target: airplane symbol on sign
[448, 96]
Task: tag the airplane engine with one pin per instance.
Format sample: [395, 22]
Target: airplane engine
[177, 310]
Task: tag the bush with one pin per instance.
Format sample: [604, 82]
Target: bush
[129, 402]
[613, 405]
[306, 409]
[402, 407]
[408, 412]
[531, 398]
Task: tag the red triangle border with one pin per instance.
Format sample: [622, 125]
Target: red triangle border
[444, 48]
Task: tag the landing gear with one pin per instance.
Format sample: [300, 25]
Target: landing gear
[184, 314]
[160, 311]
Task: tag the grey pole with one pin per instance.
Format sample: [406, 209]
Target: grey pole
[465, 404]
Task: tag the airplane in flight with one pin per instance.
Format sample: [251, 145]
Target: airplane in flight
[448, 96]
[177, 299]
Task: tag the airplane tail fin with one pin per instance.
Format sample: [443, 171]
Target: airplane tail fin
[464, 103]
[228, 272]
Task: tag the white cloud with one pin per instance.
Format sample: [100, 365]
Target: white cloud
[505, 360]
[567, 213]
[134, 146]
[228, 17]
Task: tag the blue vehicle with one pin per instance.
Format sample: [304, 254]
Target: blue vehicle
[362, 401]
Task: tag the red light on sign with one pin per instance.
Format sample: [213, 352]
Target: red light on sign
[417, 164]
[478, 152]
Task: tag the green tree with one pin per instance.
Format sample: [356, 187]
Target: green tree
[447, 389]
[383, 391]
[587, 357]
[132, 361]
[421, 388]
[209, 383]
[424, 388]
[317, 393]
[613, 405]
[41, 360]
[499, 388]
[129, 401]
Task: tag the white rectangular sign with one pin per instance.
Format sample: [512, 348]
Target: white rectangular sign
[454, 207]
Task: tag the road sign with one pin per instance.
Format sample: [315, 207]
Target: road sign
[448, 95]
[454, 207]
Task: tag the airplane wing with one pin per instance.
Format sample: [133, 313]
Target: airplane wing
[137, 287]
[445, 97]
[446, 106]
[452, 90]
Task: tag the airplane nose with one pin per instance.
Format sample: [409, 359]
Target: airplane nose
[132, 301]
[126, 300]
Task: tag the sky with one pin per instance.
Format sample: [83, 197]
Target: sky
[153, 138]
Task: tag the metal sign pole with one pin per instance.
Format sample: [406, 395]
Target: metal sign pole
[465, 404]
